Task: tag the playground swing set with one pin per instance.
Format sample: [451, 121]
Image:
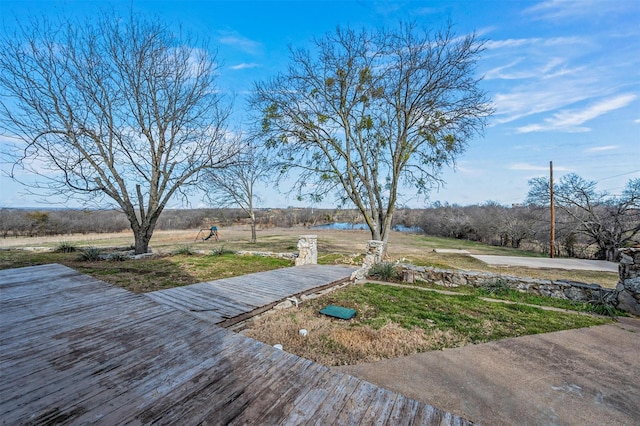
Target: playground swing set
[213, 233]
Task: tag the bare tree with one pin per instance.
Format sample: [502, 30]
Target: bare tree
[609, 222]
[371, 110]
[516, 224]
[235, 185]
[121, 109]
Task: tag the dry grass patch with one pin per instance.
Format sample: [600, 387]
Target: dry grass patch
[335, 342]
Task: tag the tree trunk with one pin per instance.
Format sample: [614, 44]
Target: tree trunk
[142, 239]
[375, 233]
[611, 254]
[254, 237]
[252, 217]
[142, 234]
[381, 233]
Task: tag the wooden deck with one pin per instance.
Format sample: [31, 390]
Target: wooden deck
[75, 350]
[228, 301]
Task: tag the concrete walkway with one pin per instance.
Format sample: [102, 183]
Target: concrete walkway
[589, 376]
[555, 263]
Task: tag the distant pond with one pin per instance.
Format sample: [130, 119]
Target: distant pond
[346, 226]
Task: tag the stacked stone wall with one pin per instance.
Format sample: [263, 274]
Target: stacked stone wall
[629, 285]
[561, 289]
[373, 255]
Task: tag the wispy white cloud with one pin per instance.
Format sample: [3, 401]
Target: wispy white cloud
[508, 43]
[239, 42]
[553, 68]
[244, 66]
[552, 64]
[553, 10]
[466, 167]
[10, 139]
[601, 148]
[534, 41]
[572, 120]
[504, 72]
[422, 11]
[535, 99]
[554, 73]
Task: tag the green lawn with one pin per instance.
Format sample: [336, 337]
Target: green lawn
[465, 314]
[396, 321]
[512, 295]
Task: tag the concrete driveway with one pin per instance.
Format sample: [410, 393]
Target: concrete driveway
[555, 263]
[589, 376]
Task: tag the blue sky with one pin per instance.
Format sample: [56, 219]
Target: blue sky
[564, 77]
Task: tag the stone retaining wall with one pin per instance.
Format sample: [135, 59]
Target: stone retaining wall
[373, 255]
[554, 288]
[629, 286]
[291, 256]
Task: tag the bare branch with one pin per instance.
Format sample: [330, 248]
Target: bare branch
[119, 107]
[368, 110]
[608, 222]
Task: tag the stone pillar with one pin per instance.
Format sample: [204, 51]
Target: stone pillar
[375, 251]
[373, 255]
[629, 285]
[307, 250]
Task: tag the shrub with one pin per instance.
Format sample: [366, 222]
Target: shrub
[184, 250]
[221, 251]
[118, 257]
[601, 306]
[497, 287]
[385, 271]
[90, 254]
[65, 247]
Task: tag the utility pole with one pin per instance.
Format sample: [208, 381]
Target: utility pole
[552, 237]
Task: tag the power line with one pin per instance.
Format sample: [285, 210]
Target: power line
[621, 174]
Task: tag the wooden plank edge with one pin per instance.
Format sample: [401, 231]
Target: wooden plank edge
[235, 321]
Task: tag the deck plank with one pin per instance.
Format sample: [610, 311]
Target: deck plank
[380, 408]
[353, 412]
[220, 300]
[76, 350]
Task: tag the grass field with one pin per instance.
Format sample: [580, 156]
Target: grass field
[391, 321]
[333, 246]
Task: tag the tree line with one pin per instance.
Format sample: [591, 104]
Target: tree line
[589, 223]
[48, 222]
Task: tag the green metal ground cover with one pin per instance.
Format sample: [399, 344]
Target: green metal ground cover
[338, 312]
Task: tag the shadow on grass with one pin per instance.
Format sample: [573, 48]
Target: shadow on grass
[150, 274]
